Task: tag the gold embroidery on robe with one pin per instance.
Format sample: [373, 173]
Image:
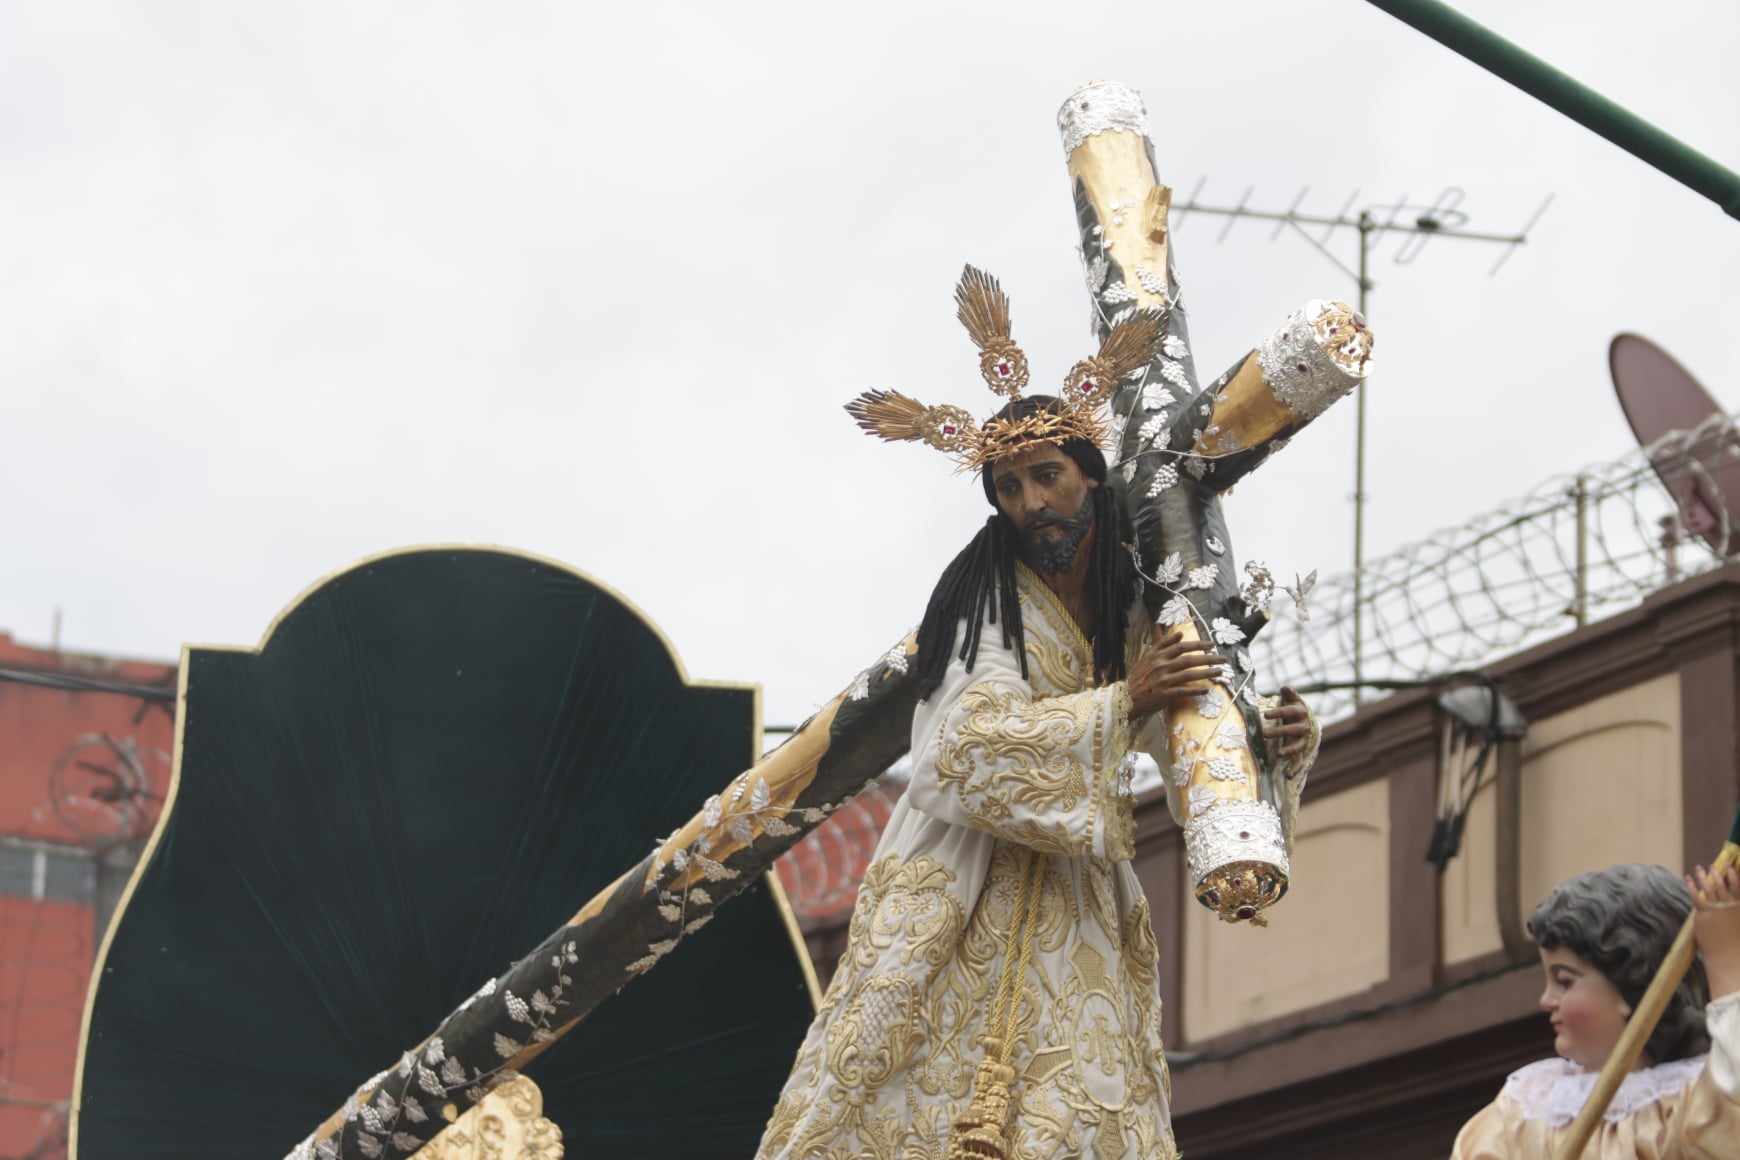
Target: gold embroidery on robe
[1000, 762]
[1002, 725]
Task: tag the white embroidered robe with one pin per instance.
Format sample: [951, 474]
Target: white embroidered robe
[1004, 769]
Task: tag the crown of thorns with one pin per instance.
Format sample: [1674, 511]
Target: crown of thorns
[983, 309]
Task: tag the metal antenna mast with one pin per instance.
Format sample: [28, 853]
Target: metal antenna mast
[1417, 224]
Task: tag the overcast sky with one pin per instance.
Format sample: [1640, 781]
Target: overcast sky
[283, 285]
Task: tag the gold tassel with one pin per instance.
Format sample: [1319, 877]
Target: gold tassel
[981, 1132]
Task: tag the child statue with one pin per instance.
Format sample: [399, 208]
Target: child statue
[1601, 936]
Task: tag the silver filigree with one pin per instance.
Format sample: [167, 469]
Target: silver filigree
[1096, 272]
[1234, 832]
[1202, 799]
[1300, 591]
[1175, 612]
[1100, 107]
[714, 871]
[1155, 395]
[1225, 769]
[1165, 476]
[1214, 545]
[1259, 587]
[1203, 576]
[1307, 364]
[1127, 775]
[1117, 294]
[1225, 631]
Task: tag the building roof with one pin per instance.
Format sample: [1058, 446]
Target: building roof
[821, 872]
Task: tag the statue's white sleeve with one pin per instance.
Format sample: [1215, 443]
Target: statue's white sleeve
[1044, 772]
[1706, 1126]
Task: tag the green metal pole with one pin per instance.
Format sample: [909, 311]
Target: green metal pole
[1583, 105]
[1365, 228]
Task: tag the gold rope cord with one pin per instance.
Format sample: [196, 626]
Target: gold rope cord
[1015, 973]
[981, 1131]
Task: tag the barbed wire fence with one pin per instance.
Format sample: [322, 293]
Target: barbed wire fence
[1578, 547]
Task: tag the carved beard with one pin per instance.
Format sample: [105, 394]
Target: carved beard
[1054, 554]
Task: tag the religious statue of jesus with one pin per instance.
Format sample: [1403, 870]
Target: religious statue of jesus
[998, 995]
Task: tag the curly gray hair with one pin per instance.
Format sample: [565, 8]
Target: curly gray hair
[1621, 921]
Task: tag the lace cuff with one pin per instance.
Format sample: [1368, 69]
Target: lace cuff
[1116, 822]
[1722, 1017]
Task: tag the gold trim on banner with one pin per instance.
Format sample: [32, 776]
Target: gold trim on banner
[173, 793]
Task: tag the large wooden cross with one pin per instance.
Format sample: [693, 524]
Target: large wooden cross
[1179, 448]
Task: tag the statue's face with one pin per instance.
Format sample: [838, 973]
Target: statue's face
[1045, 495]
[1587, 1012]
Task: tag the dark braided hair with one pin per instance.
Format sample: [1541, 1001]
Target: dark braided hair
[978, 586]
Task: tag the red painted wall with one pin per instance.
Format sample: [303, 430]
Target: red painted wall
[47, 943]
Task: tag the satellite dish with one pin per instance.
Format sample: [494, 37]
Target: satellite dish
[1659, 396]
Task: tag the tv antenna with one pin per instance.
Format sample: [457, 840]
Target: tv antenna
[1417, 225]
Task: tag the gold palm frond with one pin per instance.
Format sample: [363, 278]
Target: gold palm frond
[898, 418]
[1127, 347]
[983, 309]
[1130, 344]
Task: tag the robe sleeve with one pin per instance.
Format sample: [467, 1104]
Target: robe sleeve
[1295, 772]
[1043, 772]
[1707, 1124]
[1489, 1135]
